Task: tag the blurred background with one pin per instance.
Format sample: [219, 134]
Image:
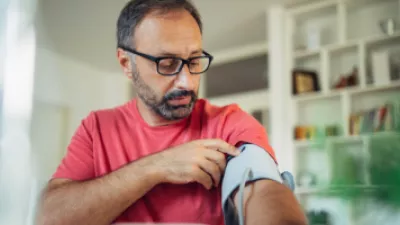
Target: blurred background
[322, 76]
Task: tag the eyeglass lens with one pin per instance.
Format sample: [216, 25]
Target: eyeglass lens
[173, 65]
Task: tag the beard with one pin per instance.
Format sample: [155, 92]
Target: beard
[160, 105]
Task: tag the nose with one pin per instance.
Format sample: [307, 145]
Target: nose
[185, 80]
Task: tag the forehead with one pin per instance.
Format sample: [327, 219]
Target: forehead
[173, 31]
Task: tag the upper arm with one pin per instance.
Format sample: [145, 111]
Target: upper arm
[271, 201]
[260, 163]
[266, 188]
[264, 194]
[263, 169]
[78, 163]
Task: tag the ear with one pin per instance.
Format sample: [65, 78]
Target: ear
[125, 62]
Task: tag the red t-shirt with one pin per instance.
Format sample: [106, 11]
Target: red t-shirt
[108, 139]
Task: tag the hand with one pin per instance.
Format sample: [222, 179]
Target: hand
[201, 161]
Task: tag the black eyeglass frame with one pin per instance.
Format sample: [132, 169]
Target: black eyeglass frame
[184, 61]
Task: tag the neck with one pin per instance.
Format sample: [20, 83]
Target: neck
[151, 117]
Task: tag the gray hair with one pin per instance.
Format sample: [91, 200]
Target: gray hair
[135, 10]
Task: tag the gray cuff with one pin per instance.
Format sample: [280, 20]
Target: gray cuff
[262, 166]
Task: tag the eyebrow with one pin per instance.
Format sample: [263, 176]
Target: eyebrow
[165, 53]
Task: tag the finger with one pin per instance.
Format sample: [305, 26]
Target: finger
[221, 146]
[203, 178]
[212, 169]
[217, 157]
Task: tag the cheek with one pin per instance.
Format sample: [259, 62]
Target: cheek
[196, 81]
[161, 84]
[158, 83]
[166, 84]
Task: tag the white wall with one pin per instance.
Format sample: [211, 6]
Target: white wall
[63, 81]
[65, 91]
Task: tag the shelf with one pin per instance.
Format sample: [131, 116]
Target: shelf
[357, 91]
[354, 4]
[336, 48]
[315, 96]
[302, 54]
[341, 139]
[350, 90]
[331, 48]
[314, 7]
[332, 189]
[381, 39]
[369, 41]
[301, 144]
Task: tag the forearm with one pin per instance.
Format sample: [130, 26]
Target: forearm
[267, 202]
[97, 201]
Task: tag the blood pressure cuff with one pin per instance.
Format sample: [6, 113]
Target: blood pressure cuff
[262, 166]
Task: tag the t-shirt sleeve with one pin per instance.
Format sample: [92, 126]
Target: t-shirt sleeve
[78, 162]
[241, 127]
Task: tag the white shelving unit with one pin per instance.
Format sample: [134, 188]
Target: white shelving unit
[349, 34]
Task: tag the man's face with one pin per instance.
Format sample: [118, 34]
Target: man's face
[173, 34]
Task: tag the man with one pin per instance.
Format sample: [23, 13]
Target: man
[161, 157]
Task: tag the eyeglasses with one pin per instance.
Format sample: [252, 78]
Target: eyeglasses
[170, 65]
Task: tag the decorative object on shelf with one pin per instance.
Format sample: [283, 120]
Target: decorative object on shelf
[313, 38]
[383, 118]
[385, 66]
[305, 132]
[332, 131]
[306, 179]
[354, 123]
[388, 26]
[380, 67]
[348, 80]
[321, 217]
[305, 81]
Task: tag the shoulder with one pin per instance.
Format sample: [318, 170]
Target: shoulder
[107, 116]
[235, 126]
[226, 118]
[108, 113]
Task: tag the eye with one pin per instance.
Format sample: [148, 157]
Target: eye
[195, 61]
[169, 62]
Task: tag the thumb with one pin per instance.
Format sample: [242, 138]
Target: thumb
[221, 146]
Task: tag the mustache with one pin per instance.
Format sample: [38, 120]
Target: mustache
[179, 93]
